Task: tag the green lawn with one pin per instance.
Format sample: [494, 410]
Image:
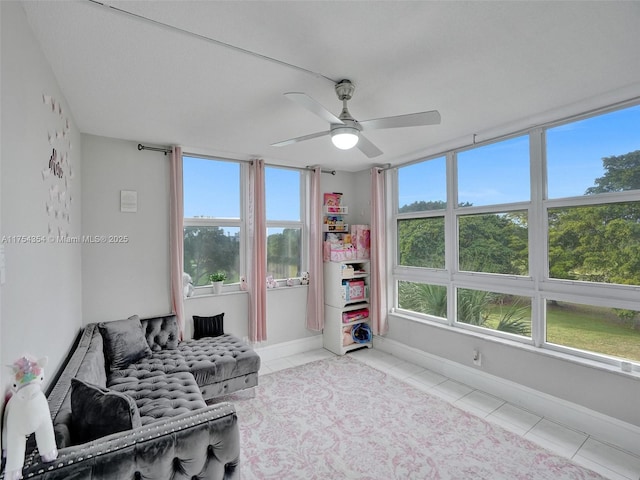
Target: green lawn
[592, 329]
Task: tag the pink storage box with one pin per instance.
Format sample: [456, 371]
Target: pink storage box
[335, 252]
[355, 315]
[361, 239]
[354, 290]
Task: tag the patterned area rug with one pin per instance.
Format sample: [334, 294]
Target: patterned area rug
[341, 419]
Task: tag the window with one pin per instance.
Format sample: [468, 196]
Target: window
[421, 242]
[595, 155]
[509, 314]
[423, 186]
[609, 331]
[494, 243]
[283, 191]
[538, 238]
[595, 243]
[212, 218]
[494, 174]
[422, 197]
[423, 298]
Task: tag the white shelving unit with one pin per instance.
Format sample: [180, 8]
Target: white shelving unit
[346, 289]
[331, 212]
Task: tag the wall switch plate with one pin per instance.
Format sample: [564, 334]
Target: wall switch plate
[477, 357]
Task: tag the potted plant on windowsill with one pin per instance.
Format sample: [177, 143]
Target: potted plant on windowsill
[217, 280]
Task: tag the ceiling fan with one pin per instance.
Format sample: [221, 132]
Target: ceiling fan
[346, 131]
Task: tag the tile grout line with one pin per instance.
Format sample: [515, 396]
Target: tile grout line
[580, 447]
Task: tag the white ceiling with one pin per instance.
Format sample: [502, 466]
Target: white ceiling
[487, 67]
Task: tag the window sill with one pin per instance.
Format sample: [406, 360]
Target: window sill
[201, 292]
[210, 295]
[549, 352]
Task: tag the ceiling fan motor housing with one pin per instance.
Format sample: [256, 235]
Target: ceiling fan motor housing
[344, 89]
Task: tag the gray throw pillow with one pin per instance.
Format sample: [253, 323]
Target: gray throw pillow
[124, 342]
[208, 326]
[97, 412]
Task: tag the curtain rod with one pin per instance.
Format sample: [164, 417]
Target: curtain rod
[165, 150]
[331, 172]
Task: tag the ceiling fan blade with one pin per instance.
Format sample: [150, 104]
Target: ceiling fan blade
[300, 139]
[368, 148]
[410, 120]
[314, 107]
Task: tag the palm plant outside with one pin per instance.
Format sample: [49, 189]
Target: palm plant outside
[475, 307]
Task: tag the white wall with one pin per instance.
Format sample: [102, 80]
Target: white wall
[133, 278]
[41, 300]
[286, 313]
[123, 279]
[612, 393]
[355, 189]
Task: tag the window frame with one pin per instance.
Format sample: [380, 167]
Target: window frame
[301, 224]
[537, 285]
[222, 222]
[242, 222]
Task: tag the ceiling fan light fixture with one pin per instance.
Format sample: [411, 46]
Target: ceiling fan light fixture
[344, 138]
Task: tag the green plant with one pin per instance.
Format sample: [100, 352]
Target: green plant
[219, 276]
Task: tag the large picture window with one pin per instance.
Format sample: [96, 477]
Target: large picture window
[552, 217]
[213, 225]
[284, 201]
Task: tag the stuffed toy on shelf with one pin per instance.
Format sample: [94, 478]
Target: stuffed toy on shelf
[26, 412]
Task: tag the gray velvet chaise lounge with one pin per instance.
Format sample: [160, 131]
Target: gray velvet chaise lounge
[130, 404]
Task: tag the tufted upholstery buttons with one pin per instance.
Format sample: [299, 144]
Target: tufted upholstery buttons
[171, 382]
[159, 395]
[214, 359]
[161, 332]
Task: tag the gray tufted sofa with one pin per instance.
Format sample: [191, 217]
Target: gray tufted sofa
[180, 436]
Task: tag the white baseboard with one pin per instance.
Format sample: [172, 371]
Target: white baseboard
[602, 427]
[285, 349]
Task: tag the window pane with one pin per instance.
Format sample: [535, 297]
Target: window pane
[421, 242]
[494, 243]
[598, 243]
[282, 192]
[209, 249]
[283, 252]
[495, 311]
[608, 331]
[494, 174]
[423, 298]
[423, 186]
[211, 188]
[596, 155]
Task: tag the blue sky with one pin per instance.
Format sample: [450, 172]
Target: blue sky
[499, 172]
[493, 174]
[211, 188]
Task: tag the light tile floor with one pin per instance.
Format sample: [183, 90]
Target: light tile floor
[583, 449]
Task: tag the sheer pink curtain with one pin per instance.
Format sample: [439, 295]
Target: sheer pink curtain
[315, 293]
[378, 288]
[176, 236]
[257, 258]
